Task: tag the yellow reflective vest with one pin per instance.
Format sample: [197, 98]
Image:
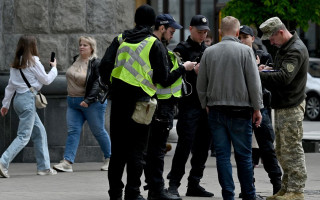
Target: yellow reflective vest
[175, 88]
[132, 64]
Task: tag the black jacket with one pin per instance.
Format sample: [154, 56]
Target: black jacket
[265, 59]
[158, 60]
[190, 51]
[288, 83]
[92, 82]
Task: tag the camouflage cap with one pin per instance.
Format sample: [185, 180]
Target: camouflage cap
[268, 27]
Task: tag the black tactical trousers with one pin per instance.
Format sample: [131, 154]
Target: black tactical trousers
[193, 135]
[265, 137]
[161, 125]
[128, 143]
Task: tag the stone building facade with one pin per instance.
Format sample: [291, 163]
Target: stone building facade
[57, 25]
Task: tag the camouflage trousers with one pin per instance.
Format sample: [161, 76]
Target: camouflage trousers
[290, 154]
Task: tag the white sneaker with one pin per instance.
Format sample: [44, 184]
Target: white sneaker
[105, 165]
[47, 172]
[4, 171]
[63, 166]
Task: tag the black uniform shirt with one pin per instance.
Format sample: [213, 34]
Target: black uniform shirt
[190, 51]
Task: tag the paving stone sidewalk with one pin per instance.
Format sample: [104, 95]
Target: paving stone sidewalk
[89, 183]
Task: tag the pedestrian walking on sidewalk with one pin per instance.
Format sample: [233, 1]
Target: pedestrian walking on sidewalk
[26, 62]
[83, 104]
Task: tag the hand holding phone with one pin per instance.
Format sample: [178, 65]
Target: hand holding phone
[196, 68]
[52, 57]
[189, 65]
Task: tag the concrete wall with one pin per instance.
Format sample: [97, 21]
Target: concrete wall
[57, 25]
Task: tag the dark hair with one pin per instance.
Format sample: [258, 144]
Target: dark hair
[156, 27]
[26, 48]
[145, 15]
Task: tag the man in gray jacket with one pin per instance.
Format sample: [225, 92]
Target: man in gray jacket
[229, 87]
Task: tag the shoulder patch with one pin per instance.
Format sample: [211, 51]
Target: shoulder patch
[290, 67]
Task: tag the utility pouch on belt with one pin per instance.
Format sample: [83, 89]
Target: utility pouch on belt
[144, 111]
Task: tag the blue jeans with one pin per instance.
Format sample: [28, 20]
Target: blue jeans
[76, 116]
[30, 126]
[225, 130]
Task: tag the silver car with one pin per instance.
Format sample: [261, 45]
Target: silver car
[313, 90]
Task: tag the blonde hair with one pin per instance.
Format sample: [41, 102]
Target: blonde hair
[229, 25]
[93, 44]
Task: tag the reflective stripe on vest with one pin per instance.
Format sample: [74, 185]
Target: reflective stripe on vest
[175, 88]
[135, 63]
[120, 39]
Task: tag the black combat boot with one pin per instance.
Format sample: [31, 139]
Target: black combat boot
[195, 190]
[276, 187]
[162, 195]
[173, 190]
[139, 197]
[115, 198]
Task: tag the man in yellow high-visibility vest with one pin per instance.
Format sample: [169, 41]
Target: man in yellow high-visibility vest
[167, 94]
[136, 61]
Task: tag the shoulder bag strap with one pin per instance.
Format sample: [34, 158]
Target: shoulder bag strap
[25, 79]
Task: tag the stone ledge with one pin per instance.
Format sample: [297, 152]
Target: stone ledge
[310, 146]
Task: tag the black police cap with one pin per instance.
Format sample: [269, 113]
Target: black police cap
[200, 22]
[246, 30]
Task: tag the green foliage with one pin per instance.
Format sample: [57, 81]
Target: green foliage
[255, 12]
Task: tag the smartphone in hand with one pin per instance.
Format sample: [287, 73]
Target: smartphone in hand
[52, 57]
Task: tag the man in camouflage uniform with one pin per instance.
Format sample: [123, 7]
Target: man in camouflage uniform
[287, 84]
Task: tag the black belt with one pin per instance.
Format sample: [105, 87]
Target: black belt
[235, 111]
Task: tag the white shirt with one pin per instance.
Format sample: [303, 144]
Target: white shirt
[36, 75]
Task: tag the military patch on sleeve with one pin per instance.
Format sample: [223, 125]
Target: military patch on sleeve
[290, 67]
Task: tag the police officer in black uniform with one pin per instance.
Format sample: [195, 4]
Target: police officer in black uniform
[192, 125]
